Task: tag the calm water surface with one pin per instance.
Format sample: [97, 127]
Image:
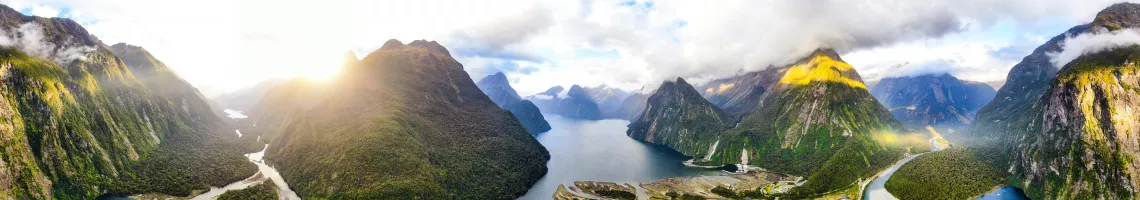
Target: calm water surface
[1005, 193]
[582, 150]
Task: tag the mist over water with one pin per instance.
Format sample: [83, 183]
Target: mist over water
[588, 150]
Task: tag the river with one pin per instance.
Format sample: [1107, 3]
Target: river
[599, 150]
[876, 189]
[263, 171]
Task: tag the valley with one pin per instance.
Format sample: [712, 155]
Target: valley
[570, 100]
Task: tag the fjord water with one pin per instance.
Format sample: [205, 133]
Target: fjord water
[599, 150]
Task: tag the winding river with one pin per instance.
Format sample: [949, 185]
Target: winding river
[264, 172]
[876, 190]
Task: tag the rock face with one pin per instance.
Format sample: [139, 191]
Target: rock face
[740, 95]
[678, 117]
[933, 99]
[575, 103]
[818, 121]
[79, 119]
[405, 122]
[1074, 137]
[500, 91]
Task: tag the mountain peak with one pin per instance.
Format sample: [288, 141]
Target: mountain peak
[1118, 16]
[350, 56]
[499, 75]
[553, 91]
[431, 46]
[392, 44]
[679, 80]
[828, 52]
[497, 78]
[823, 65]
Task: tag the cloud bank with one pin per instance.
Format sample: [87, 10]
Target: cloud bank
[1090, 43]
[625, 44]
[29, 38]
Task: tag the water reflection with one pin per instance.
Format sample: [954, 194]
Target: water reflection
[600, 151]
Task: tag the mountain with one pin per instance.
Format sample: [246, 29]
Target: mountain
[632, 107]
[609, 100]
[500, 91]
[246, 98]
[740, 95]
[79, 119]
[1088, 146]
[818, 121]
[574, 103]
[547, 100]
[932, 99]
[404, 122]
[678, 117]
[1073, 135]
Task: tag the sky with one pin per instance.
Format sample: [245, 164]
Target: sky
[226, 45]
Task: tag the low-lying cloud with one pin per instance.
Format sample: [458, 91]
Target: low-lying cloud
[29, 38]
[1089, 43]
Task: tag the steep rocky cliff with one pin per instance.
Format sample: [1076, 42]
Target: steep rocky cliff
[1074, 136]
[678, 117]
[1081, 139]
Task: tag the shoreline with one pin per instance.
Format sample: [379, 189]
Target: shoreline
[995, 189]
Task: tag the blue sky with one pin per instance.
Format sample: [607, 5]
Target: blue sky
[538, 44]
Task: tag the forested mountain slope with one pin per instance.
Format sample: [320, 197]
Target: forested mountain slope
[404, 122]
[80, 119]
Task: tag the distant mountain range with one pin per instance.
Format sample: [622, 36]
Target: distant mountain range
[246, 98]
[576, 103]
[932, 99]
[404, 122]
[609, 100]
[81, 119]
[499, 89]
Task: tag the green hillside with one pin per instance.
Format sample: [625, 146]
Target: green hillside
[75, 129]
[404, 122]
[818, 121]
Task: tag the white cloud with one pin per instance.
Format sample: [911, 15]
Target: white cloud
[44, 11]
[231, 44]
[29, 38]
[1089, 43]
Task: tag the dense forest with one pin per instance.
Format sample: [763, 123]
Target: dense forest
[263, 191]
[953, 173]
[405, 122]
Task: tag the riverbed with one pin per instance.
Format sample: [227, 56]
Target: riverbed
[599, 150]
[264, 172]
